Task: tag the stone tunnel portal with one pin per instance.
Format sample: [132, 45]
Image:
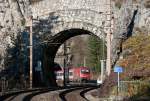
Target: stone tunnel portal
[52, 47]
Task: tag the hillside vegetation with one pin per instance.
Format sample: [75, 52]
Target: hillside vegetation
[135, 60]
[136, 56]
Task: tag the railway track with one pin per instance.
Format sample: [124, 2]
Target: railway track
[76, 94]
[70, 93]
[22, 94]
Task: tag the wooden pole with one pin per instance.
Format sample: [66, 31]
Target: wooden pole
[64, 64]
[31, 54]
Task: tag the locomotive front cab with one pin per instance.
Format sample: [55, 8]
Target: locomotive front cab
[85, 74]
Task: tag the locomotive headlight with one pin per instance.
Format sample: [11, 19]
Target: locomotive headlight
[83, 70]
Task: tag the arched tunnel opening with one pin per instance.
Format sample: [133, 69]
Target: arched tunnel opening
[51, 48]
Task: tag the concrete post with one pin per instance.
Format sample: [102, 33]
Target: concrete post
[109, 36]
[102, 70]
[108, 61]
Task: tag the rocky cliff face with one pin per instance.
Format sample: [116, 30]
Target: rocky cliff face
[127, 18]
[12, 20]
[128, 21]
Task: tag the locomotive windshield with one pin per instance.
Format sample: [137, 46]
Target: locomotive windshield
[85, 71]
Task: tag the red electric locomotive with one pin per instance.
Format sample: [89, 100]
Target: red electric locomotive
[80, 74]
[76, 74]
